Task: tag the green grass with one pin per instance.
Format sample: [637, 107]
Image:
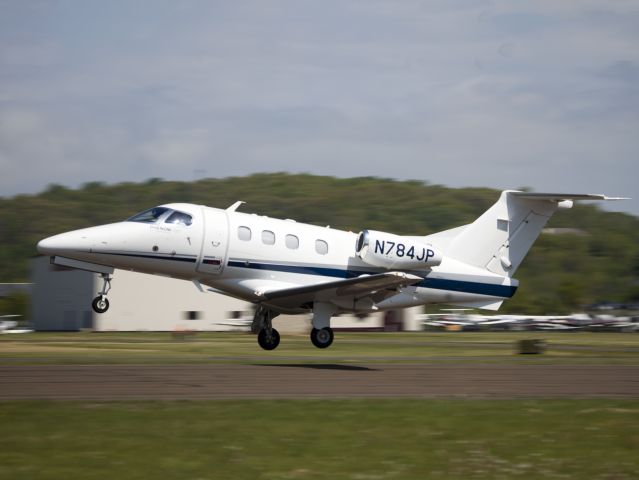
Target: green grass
[297, 439]
[312, 439]
[160, 348]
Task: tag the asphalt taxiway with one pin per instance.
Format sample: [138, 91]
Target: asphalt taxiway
[311, 380]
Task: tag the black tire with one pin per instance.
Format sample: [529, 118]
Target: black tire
[100, 304]
[268, 341]
[322, 338]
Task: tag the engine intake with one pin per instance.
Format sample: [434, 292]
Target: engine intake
[386, 250]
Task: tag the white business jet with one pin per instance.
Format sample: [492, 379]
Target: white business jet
[6, 325]
[287, 267]
[9, 326]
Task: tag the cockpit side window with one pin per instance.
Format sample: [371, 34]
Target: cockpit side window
[179, 218]
[149, 216]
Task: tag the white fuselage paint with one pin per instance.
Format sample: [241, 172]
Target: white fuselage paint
[211, 252]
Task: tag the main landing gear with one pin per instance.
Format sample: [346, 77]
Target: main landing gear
[323, 337]
[322, 333]
[267, 337]
[100, 303]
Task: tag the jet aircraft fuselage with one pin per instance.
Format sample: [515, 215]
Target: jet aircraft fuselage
[284, 266]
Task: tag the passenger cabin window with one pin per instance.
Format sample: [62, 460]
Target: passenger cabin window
[149, 216]
[244, 233]
[179, 218]
[321, 247]
[292, 242]
[268, 237]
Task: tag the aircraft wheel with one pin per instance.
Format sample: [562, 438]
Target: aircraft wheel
[100, 304]
[268, 339]
[322, 338]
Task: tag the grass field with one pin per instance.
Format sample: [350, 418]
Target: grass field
[161, 348]
[351, 439]
[319, 439]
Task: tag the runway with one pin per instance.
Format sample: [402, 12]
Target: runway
[235, 381]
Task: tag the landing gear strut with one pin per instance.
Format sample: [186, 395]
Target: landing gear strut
[267, 337]
[322, 333]
[100, 303]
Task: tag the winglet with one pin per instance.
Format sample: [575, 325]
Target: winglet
[235, 206]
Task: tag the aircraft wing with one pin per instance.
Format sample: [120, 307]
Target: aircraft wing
[378, 287]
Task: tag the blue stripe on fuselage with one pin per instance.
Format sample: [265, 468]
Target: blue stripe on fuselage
[153, 257]
[493, 290]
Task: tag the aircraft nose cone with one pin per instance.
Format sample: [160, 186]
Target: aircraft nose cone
[57, 244]
[43, 246]
[48, 246]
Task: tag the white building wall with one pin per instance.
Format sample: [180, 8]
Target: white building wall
[150, 302]
[412, 319]
[302, 323]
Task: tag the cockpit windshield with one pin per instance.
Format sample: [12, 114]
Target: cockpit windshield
[149, 216]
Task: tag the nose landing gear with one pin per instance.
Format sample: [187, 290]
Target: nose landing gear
[100, 303]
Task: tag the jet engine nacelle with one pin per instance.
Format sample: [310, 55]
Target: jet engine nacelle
[390, 251]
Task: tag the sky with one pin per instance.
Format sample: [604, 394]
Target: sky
[501, 94]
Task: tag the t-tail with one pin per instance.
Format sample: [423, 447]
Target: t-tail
[499, 240]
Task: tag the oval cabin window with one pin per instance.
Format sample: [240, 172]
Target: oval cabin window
[292, 242]
[321, 247]
[268, 237]
[244, 233]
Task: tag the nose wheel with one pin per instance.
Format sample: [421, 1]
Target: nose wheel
[100, 303]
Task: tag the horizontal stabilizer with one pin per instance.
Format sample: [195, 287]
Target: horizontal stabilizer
[564, 196]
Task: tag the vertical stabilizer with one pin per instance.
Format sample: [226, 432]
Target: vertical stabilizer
[501, 237]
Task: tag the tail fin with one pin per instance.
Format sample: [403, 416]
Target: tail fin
[500, 239]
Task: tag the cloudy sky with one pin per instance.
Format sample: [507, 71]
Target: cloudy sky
[506, 94]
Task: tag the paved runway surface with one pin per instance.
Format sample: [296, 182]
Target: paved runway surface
[124, 382]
